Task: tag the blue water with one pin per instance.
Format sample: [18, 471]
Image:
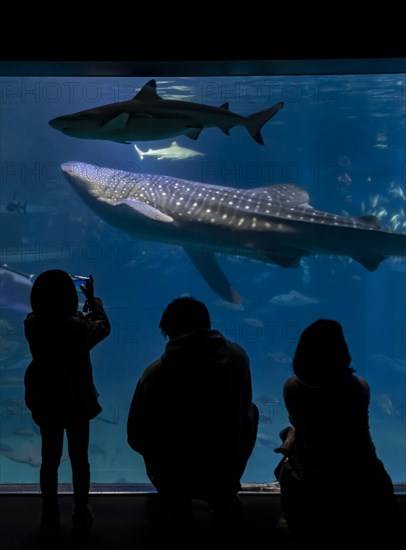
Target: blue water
[342, 138]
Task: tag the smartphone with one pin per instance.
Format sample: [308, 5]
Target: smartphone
[79, 280]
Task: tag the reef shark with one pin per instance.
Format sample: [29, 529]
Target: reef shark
[273, 224]
[174, 152]
[147, 116]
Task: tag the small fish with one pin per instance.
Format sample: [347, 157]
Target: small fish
[373, 200]
[278, 357]
[16, 206]
[386, 405]
[396, 364]
[397, 191]
[293, 299]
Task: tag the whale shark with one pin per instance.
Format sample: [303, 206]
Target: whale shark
[147, 116]
[174, 152]
[274, 224]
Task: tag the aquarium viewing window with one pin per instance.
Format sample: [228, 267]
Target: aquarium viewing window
[337, 131]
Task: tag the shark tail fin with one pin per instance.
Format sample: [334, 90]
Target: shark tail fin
[257, 120]
[140, 153]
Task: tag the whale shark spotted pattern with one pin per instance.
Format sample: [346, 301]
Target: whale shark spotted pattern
[273, 224]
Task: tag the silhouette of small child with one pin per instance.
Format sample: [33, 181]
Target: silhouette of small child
[59, 388]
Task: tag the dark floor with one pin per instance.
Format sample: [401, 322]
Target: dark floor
[134, 521]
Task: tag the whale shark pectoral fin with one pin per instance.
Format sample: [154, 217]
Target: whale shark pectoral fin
[206, 264]
[145, 210]
[117, 124]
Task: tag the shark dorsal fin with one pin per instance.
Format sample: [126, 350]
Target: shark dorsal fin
[225, 106]
[148, 92]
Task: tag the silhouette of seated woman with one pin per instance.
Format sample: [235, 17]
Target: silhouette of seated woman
[59, 388]
[339, 487]
[192, 417]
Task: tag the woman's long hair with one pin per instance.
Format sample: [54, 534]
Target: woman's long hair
[322, 353]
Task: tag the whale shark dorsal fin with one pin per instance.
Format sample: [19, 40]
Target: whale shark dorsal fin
[371, 220]
[145, 210]
[283, 193]
[148, 92]
[225, 106]
[206, 264]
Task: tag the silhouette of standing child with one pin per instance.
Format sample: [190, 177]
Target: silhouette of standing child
[59, 388]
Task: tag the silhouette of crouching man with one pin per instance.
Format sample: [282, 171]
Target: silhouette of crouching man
[192, 417]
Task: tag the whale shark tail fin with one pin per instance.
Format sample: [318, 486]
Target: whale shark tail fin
[140, 153]
[257, 120]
